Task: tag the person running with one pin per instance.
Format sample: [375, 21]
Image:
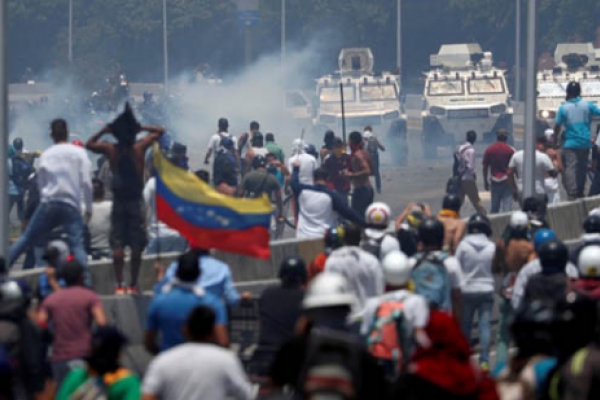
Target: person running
[373, 147]
[128, 218]
[225, 167]
[551, 183]
[64, 178]
[274, 148]
[327, 147]
[543, 168]
[215, 140]
[308, 163]
[454, 227]
[358, 171]
[318, 207]
[465, 156]
[475, 254]
[260, 181]
[575, 115]
[334, 163]
[200, 368]
[257, 149]
[495, 160]
[244, 144]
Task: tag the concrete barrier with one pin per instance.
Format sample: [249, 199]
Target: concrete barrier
[590, 203]
[566, 219]
[499, 223]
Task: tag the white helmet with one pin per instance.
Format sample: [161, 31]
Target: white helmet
[297, 146]
[396, 268]
[378, 215]
[589, 262]
[328, 289]
[549, 133]
[519, 219]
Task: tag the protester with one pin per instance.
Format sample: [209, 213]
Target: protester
[588, 264]
[259, 182]
[475, 254]
[377, 240]
[199, 368]
[443, 370]
[334, 163]
[575, 115]
[243, 145]
[64, 178]
[358, 171]
[18, 173]
[373, 147]
[436, 275]
[361, 269]
[551, 183]
[334, 239]
[399, 307]
[162, 238]
[257, 149]
[56, 255]
[308, 163]
[590, 236]
[171, 307]
[277, 168]
[70, 313]
[326, 358]
[217, 139]
[128, 218]
[103, 373]
[495, 160]
[454, 227]
[465, 156]
[273, 147]
[543, 168]
[99, 224]
[225, 167]
[327, 147]
[407, 226]
[318, 207]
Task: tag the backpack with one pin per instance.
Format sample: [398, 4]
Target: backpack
[21, 170]
[387, 338]
[372, 145]
[332, 367]
[431, 279]
[373, 246]
[460, 164]
[224, 166]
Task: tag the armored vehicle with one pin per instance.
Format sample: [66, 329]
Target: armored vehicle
[463, 92]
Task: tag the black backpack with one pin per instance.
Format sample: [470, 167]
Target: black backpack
[224, 166]
[332, 367]
[21, 170]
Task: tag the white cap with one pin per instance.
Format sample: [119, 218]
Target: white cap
[589, 262]
[328, 289]
[549, 133]
[519, 219]
[396, 268]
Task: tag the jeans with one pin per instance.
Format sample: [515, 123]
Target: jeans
[576, 166]
[166, 244]
[46, 217]
[595, 188]
[469, 188]
[482, 304]
[503, 335]
[362, 198]
[502, 197]
[61, 369]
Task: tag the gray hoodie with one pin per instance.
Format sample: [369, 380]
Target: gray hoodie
[475, 254]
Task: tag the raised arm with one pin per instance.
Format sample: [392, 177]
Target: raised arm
[95, 146]
[154, 133]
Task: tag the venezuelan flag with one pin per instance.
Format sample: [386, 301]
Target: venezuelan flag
[208, 219]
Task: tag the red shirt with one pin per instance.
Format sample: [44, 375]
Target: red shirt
[497, 156]
[70, 314]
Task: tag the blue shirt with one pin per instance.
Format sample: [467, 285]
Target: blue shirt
[576, 115]
[168, 313]
[215, 278]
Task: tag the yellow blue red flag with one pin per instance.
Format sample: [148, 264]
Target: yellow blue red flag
[208, 219]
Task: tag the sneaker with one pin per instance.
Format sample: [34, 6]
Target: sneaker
[133, 290]
[120, 290]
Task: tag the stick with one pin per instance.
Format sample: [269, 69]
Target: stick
[343, 113]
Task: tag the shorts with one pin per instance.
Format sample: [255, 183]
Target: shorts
[128, 225]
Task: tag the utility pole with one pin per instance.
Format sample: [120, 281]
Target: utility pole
[248, 44]
[518, 25]
[165, 49]
[70, 56]
[530, 103]
[4, 226]
[399, 36]
[283, 21]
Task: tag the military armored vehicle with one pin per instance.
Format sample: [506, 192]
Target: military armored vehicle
[369, 98]
[578, 62]
[463, 92]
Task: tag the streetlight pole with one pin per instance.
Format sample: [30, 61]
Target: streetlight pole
[165, 49]
[518, 25]
[4, 230]
[283, 39]
[530, 104]
[399, 35]
[70, 56]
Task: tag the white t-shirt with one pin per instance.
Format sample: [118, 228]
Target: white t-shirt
[65, 174]
[362, 270]
[308, 164]
[316, 214]
[543, 165]
[197, 371]
[416, 310]
[99, 225]
[215, 141]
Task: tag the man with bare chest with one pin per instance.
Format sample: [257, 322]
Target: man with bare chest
[551, 183]
[359, 170]
[128, 216]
